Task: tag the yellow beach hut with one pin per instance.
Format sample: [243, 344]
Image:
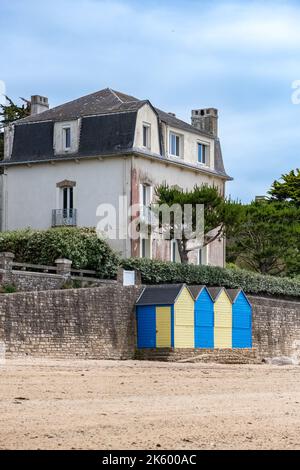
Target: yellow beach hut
[222, 317]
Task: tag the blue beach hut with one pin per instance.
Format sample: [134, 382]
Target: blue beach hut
[204, 317]
[241, 319]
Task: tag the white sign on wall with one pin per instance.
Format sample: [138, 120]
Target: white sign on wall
[128, 278]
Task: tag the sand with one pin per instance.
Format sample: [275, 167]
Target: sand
[47, 404]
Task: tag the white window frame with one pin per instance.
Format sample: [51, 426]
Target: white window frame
[145, 189]
[146, 126]
[64, 135]
[207, 153]
[180, 141]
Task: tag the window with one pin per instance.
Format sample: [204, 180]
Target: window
[67, 138]
[145, 195]
[173, 251]
[146, 136]
[175, 143]
[145, 248]
[145, 198]
[68, 201]
[202, 153]
[202, 256]
[65, 214]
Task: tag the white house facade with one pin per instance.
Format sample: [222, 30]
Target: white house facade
[62, 163]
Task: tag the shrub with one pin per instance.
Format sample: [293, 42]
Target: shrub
[72, 284]
[81, 245]
[87, 251]
[155, 272]
[8, 289]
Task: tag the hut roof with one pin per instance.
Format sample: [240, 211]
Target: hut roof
[165, 294]
[216, 291]
[233, 294]
[196, 291]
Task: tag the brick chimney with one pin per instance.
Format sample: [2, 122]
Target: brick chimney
[39, 104]
[206, 120]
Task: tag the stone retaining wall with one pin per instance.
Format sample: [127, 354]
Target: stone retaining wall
[99, 323]
[96, 323]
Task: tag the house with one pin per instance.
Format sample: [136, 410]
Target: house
[62, 163]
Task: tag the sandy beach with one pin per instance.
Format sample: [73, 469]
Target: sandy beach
[47, 404]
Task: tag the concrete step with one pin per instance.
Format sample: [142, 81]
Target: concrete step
[223, 356]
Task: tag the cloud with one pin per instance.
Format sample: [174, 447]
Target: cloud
[238, 56]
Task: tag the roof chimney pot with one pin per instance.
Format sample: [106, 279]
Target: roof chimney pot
[206, 120]
[39, 104]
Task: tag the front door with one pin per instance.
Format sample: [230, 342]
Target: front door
[163, 327]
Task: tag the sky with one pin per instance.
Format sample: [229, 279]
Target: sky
[242, 57]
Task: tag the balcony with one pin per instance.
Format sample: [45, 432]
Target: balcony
[64, 217]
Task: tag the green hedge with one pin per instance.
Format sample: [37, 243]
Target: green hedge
[155, 272]
[81, 245]
[87, 251]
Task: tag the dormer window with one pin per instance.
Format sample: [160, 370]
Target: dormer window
[67, 138]
[203, 153]
[175, 145]
[146, 136]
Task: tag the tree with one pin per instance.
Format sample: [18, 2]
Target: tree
[220, 214]
[288, 189]
[267, 239]
[9, 113]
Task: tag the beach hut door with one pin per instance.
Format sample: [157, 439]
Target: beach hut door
[163, 327]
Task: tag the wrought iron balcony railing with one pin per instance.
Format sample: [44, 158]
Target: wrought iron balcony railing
[64, 217]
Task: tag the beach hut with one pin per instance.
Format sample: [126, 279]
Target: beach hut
[222, 317]
[204, 317]
[165, 317]
[241, 319]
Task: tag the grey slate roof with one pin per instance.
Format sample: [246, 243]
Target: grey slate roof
[100, 135]
[117, 133]
[33, 142]
[104, 130]
[219, 164]
[173, 121]
[160, 295]
[196, 291]
[233, 293]
[102, 102]
[215, 292]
